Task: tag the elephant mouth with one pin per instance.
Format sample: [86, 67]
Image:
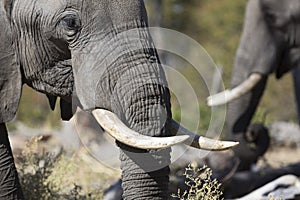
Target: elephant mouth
[114, 126]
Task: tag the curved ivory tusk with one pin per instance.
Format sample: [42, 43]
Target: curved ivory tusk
[118, 130]
[201, 142]
[230, 95]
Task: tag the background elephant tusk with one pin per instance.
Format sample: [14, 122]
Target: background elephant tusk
[118, 130]
[201, 142]
[229, 95]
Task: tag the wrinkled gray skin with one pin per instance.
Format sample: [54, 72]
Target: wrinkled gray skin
[58, 45]
[270, 43]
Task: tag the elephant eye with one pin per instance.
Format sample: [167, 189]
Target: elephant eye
[71, 25]
[71, 22]
[271, 18]
[278, 21]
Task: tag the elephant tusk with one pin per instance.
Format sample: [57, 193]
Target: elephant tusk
[230, 95]
[201, 142]
[118, 130]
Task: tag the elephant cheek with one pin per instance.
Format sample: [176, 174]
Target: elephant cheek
[91, 84]
[258, 56]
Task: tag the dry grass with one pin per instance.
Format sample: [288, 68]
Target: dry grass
[200, 184]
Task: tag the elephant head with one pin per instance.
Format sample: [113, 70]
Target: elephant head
[100, 52]
[270, 43]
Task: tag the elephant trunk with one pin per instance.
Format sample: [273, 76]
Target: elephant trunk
[241, 110]
[257, 53]
[145, 172]
[123, 74]
[144, 102]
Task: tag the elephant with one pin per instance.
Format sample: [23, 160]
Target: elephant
[270, 43]
[98, 55]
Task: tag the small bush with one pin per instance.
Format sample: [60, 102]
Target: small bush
[200, 184]
[37, 174]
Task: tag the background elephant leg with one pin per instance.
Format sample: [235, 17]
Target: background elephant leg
[296, 79]
[9, 182]
[239, 115]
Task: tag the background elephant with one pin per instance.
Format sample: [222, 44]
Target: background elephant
[97, 55]
[269, 44]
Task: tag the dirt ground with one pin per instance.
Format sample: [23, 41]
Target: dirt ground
[281, 156]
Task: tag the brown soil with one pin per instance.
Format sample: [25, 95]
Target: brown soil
[281, 156]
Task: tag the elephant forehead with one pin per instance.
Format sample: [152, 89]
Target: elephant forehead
[51, 5]
[117, 11]
[295, 8]
[291, 7]
[46, 6]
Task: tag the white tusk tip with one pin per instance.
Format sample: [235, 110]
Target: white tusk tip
[215, 145]
[228, 145]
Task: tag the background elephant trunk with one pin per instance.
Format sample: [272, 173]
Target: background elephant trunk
[241, 111]
[257, 53]
[239, 115]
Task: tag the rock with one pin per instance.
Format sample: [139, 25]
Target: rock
[285, 134]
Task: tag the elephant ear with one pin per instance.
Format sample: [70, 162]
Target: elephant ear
[10, 74]
[290, 60]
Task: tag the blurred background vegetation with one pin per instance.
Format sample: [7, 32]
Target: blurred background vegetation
[217, 26]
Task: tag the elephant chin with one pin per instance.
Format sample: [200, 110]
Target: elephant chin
[115, 127]
[228, 96]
